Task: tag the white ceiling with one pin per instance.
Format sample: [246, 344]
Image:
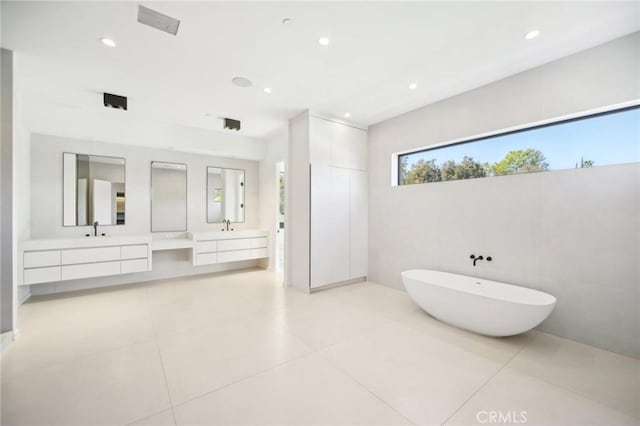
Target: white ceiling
[376, 50]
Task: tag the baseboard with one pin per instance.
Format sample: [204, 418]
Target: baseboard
[6, 338]
[338, 284]
[24, 296]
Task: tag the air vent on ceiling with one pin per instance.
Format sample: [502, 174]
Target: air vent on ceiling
[115, 101]
[230, 123]
[158, 20]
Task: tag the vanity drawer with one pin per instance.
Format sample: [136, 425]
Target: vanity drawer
[259, 253]
[206, 259]
[259, 242]
[233, 256]
[206, 246]
[134, 252]
[89, 255]
[135, 265]
[238, 244]
[36, 259]
[41, 275]
[88, 270]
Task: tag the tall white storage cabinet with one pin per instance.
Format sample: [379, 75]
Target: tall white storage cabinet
[337, 200]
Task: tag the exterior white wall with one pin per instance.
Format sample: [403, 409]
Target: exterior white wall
[573, 233]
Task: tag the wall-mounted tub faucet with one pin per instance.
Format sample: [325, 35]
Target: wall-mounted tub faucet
[476, 258]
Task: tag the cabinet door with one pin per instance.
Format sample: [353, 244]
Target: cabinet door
[358, 149]
[348, 147]
[89, 270]
[134, 265]
[339, 226]
[321, 241]
[358, 224]
[37, 259]
[319, 142]
[139, 251]
[90, 255]
[341, 137]
[41, 275]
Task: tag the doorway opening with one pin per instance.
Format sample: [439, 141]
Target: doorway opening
[280, 219]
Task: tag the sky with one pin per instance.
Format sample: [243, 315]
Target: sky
[607, 139]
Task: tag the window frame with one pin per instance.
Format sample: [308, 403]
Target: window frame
[584, 115]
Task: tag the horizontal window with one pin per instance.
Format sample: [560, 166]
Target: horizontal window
[612, 137]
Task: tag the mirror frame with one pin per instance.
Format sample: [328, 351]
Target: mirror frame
[76, 203]
[244, 194]
[186, 190]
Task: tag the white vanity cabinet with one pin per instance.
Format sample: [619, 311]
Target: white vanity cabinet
[221, 247]
[45, 261]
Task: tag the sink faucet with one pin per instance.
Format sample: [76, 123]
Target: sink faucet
[227, 223]
[95, 228]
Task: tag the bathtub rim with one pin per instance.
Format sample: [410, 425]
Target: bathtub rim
[550, 302]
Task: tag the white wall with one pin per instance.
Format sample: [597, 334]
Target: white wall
[573, 233]
[46, 185]
[6, 191]
[15, 182]
[276, 152]
[298, 211]
[125, 127]
[46, 202]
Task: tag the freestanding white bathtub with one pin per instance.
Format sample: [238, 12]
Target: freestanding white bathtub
[482, 306]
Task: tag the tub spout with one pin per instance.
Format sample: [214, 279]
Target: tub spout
[475, 259]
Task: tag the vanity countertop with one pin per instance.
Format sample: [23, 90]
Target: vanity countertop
[81, 242]
[228, 235]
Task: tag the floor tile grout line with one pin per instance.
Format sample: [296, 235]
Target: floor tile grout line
[365, 388]
[164, 372]
[139, 419]
[79, 357]
[577, 393]
[273, 367]
[564, 387]
[482, 386]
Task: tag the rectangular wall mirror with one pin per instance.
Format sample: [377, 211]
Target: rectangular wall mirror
[93, 190]
[225, 195]
[168, 197]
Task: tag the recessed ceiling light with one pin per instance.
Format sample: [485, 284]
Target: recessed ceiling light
[532, 34]
[287, 21]
[241, 81]
[323, 41]
[267, 90]
[108, 42]
[413, 86]
[347, 115]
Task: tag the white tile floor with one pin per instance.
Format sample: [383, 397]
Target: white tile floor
[239, 349]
